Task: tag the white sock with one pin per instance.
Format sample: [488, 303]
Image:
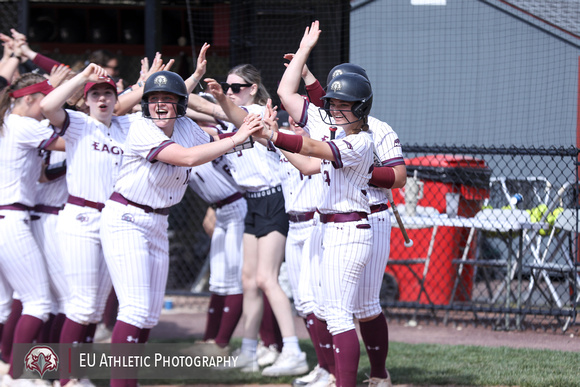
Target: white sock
[290, 344]
[249, 347]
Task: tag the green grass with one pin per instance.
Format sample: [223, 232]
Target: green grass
[435, 364]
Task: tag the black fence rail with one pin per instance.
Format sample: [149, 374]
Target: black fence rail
[495, 237]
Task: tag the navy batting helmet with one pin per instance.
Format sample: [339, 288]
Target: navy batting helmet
[344, 68]
[350, 87]
[168, 82]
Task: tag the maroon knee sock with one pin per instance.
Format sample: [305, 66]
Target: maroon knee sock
[144, 335]
[269, 329]
[313, 333]
[375, 334]
[230, 318]
[26, 331]
[56, 328]
[325, 341]
[90, 333]
[9, 327]
[72, 332]
[214, 316]
[44, 334]
[123, 333]
[346, 357]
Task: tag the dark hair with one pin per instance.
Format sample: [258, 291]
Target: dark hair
[25, 80]
[250, 74]
[101, 57]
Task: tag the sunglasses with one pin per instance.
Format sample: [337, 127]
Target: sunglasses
[236, 87]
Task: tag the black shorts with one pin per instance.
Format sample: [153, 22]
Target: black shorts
[266, 213]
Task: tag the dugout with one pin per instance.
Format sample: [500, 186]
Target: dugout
[429, 261]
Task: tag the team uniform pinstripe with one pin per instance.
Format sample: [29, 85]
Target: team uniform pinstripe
[52, 193]
[93, 153]
[301, 193]
[388, 148]
[135, 243]
[252, 168]
[213, 183]
[345, 247]
[22, 266]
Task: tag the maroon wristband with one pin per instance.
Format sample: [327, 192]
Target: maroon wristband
[383, 177]
[289, 142]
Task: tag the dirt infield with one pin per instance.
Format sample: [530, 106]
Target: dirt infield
[187, 318]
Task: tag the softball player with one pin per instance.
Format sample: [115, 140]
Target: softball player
[22, 266]
[341, 85]
[373, 325]
[160, 150]
[51, 196]
[93, 153]
[266, 227]
[212, 182]
[372, 322]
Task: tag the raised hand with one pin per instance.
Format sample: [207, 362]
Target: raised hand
[59, 74]
[270, 121]
[95, 73]
[252, 125]
[311, 35]
[215, 89]
[201, 66]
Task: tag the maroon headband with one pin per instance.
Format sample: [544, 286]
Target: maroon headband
[42, 87]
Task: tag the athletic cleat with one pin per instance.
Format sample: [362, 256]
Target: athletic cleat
[246, 363]
[308, 378]
[318, 377]
[378, 382]
[266, 355]
[102, 334]
[288, 363]
[331, 381]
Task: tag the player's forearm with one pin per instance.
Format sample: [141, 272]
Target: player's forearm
[190, 157]
[289, 84]
[192, 81]
[9, 67]
[400, 176]
[126, 101]
[233, 112]
[52, 104]
[306, 165]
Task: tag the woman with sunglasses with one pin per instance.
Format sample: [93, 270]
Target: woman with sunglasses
[266, 223]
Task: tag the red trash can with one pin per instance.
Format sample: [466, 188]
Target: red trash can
[440, 175]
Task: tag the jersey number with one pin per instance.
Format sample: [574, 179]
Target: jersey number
[326, 178]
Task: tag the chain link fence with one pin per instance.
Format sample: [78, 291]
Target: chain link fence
[494, 235]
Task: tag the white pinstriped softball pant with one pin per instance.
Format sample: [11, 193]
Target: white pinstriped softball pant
[22, 265]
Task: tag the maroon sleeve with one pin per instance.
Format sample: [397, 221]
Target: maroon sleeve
[45, 63]
[383, 177]
[315, 93]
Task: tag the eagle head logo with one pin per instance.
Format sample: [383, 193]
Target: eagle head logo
[160, 80]
[336, 86]
[41, 359]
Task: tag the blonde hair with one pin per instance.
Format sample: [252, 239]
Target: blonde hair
[25, 80]
[250, 74]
